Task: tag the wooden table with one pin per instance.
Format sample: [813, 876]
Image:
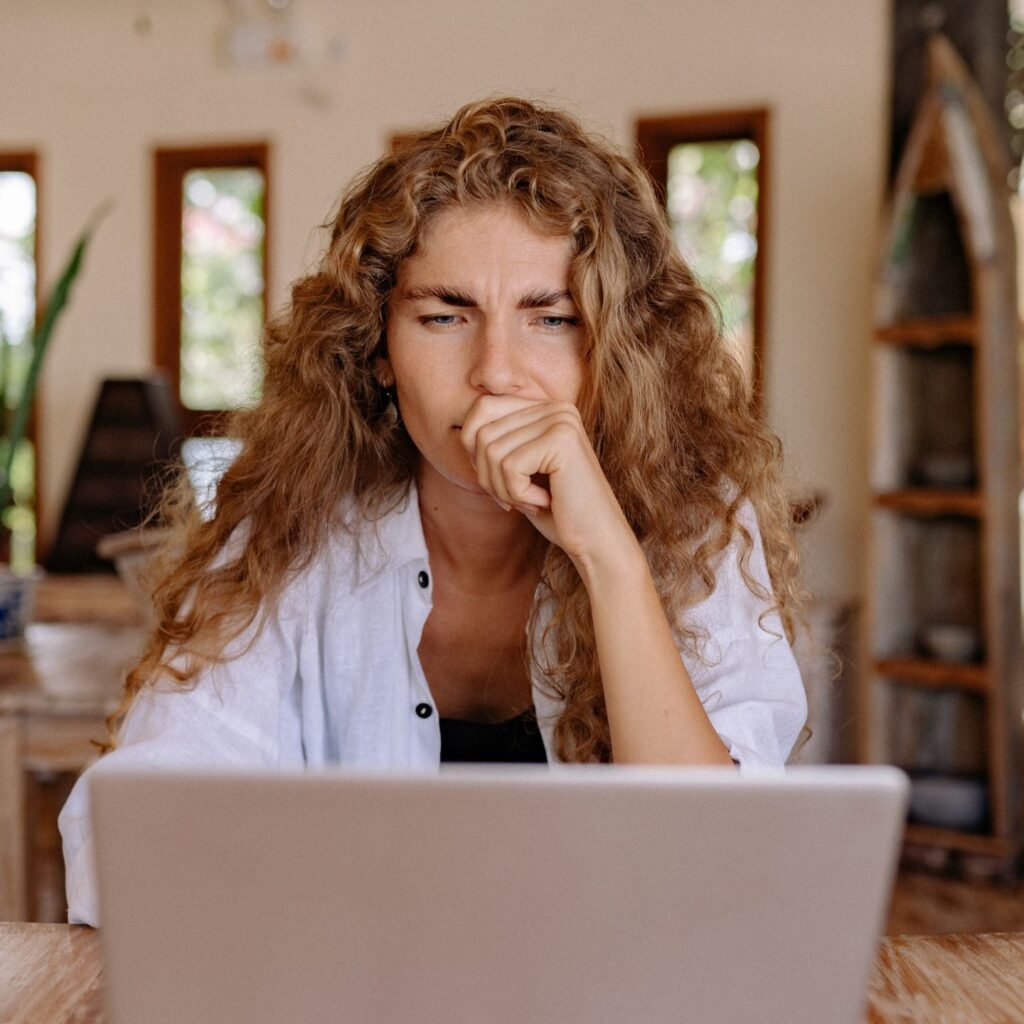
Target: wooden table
[56, 689]
[50, 974]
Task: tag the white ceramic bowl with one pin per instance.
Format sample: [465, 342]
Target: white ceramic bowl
[947, 470]
[949, 642]
[132, 552]
[946, 801]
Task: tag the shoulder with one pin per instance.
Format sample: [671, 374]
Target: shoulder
[361, 548]
[740, 603]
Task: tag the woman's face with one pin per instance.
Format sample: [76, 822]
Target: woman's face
[481, 308]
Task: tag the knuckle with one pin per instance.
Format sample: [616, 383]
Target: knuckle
[563, 430]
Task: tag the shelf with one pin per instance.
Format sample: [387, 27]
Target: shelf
[952, 839]
[930, 571]
[934, 674]
[945, 525]
[927, 418]
[955, 328]
[933, 501]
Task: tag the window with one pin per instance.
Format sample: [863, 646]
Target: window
[211, 276]
[712, 173]
[19, 258]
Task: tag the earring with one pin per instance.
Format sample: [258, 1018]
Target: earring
[391, 416]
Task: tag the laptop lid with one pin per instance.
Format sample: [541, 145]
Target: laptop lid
[583, 895]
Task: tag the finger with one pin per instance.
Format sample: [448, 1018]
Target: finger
[495, 444]
[496, 414]
[490, 455]
[478, 428]
[487, 409]
[537, 418]
[485, 444]
[482, 465]
[484, 437]
[515, 460]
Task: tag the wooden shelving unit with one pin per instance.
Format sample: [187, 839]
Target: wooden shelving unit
[967, 842]
[945, 527]
[933, 501]
[935, 673]
[935, 330]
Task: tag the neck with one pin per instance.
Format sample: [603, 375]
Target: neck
[486, 548]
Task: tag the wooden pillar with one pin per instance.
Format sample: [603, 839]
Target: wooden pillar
[12, 824]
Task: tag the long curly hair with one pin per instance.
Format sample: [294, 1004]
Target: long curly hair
[667, 407]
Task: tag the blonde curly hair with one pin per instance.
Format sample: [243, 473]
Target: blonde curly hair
[667, 407]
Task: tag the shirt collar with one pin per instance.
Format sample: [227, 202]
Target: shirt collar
[395, 539]
[401, 531]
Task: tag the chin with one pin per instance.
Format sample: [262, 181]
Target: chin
[462, 477]
[472, 487]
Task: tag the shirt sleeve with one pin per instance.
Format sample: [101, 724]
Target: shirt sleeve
[241, 713]
[745, 673]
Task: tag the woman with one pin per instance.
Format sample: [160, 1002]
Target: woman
[503, 474]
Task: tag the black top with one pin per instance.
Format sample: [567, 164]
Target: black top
[518, 740]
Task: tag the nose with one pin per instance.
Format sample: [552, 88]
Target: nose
[495, 365]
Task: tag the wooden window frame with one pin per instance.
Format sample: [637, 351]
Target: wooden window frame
[27, 162]
[656, 136]
[170, 165]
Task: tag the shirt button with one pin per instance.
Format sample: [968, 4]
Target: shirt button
[423, 580]
[424, 710]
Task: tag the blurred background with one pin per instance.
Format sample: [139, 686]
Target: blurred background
[223, 131]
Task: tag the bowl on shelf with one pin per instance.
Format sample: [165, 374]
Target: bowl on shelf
[950, 642]
[132, 552]
[939, 470]
[949, 801]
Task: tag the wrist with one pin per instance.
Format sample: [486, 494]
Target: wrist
[614, 563]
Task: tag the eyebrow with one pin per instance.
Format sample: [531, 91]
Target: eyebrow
[452, 296]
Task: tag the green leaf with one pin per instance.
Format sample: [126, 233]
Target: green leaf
[53, 307]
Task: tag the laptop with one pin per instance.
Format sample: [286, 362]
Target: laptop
[507, 895]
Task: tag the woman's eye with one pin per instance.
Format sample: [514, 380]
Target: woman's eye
[555, 322]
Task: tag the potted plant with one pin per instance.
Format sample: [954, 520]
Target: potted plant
[17, 585]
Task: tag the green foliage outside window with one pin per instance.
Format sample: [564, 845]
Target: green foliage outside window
[712, 205]
[221, 287]
[17, 317]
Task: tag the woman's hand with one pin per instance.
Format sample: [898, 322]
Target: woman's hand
[535, 456]
[519, 445]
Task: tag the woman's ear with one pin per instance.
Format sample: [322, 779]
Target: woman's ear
[383, 372]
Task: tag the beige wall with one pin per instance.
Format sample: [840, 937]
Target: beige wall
[94, 97]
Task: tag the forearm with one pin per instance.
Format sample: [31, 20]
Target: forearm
[654, 713]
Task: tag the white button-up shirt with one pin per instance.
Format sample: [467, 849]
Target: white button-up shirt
[333, 677]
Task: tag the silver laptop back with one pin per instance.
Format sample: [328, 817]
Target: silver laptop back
[582, 895]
